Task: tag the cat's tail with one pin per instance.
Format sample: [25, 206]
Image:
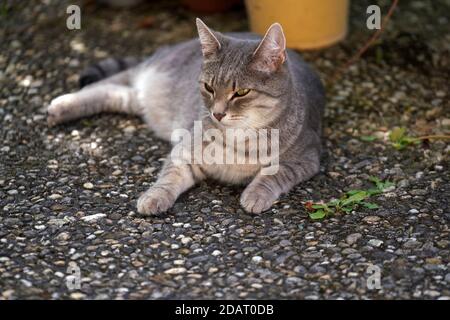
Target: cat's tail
[106, 68]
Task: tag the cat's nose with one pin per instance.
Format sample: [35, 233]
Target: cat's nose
[219, 116]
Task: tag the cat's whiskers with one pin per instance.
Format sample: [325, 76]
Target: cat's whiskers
[256, 125]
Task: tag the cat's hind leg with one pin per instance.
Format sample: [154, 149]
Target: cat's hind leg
[110, 95]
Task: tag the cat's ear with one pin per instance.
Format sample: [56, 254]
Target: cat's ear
[271, 51]
[208, 40]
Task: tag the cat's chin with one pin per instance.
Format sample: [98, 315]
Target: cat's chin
[231, 125]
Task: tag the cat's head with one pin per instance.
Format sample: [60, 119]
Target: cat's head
[243, 82]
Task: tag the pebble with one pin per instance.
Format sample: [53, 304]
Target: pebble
[375, 242]
[432, 293]
[216, 253]
[285, 243]
[77, 295]
[447, 277]
[257, 259]
[179, 262]
[93, 217]
[186, 240]
[63, 236]
[88, 185]
[371, 219]
[411, 244]
[353, 238]
[177, 270]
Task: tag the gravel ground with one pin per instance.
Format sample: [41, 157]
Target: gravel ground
[67, 194]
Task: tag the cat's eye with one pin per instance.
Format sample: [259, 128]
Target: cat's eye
[241, 92]
[208, 88]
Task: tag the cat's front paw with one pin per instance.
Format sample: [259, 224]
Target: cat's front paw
[155, 201]
[59, 109]
[256, 200]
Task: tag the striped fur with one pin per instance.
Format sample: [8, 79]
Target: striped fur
[106, 68]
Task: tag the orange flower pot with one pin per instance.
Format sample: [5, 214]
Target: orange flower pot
[307, 24]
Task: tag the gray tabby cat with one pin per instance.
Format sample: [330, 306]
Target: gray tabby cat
[231, 80]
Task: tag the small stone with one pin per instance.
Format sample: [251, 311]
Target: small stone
[26, 283]
[88, 185]
[432, 293]
[411, 244]
[403, 183]
[257, 259]
[278, 221]
[216, 253]
[256, 285]
[353, 238]
[58, 222]
[137, 263]
[117, 172]
[7, 294]
[413, 211]
[418, 192]
[93, 217]
[447, 278]
[55, 196]
[375, 242]
[186, 240]
[13, 192]
[77, 295]
[177, 270]
[285, 243]
[63, 236]
[371, 219]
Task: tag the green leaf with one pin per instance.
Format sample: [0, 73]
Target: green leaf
[318, 206]
[374, 191]
[333, 203]
[355, 198]
[347, 209]
[352, 192]
[368, 138]
[370, 205]
[319, 214]
[380, 185]
[397, 134]
[398, 146]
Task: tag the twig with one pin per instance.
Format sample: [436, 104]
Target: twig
[366, 46]
[431, 137]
